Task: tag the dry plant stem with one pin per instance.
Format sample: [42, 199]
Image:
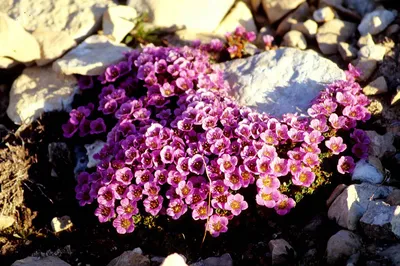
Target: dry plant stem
[209, 204]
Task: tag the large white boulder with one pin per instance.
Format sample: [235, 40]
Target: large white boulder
[280, 81]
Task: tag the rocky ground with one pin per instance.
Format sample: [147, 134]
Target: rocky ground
[43, 51]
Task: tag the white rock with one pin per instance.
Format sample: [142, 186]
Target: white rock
[52, 45]
[376, 21]
[381, 221]
[347, 51]
[295, 39]
[366, 172]
[396, 97]
[280, 81]
[276, 9]
[6, 221]
[39, 90]
[202, 15]
[6, 62]
[373, 52]
[76, 17]
[324, 14]
[16, 43]
[174, 260]
[309, 28]
[349, 207]
[91, 57]
[341, 246]
[279, 249]
[34, 261]
[92, 149]
[378, 86]
[118, 21]
[299, 15]
[365, 40]
[333, 32]
[380, 144]
[59, 224]
[240, 14]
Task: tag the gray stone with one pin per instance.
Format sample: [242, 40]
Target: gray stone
[46, 261]
[130, 258]
[378, 86]
[381, 221]
[6, 221]
[335, 193]
[366, 172]
[333, 32]
[341, 246]
[91, 57]
[280, 81]
[392, 253]
[118, 21]
[39, 90]
[394, 198]
[240, 15]
[16, 43]
[81, 159]
[276, 9]
[347, 51]
[350, 206]
[353, 259]
[91, 150]
[376, 21]
[59, 224]
[373, 52]
[224, 260]
[281, 251]
[299, 15]
[295, 39]
[76, 17]
[361, 6]
[367, 68]
[392, 29]
[324, 14]
[59, 157]
[365, 40]
[52, 45]
[190, 14]
[309, 28]
[380, 144]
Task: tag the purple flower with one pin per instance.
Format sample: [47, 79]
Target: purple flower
[246, 176]
[233, 180]
[167, 90]
[304, 178]
[236, 204]
[360, 136]
[135, 192]
[174, 177]
[284, 205]
[184, 189]
[153, 205]
[360, 150]
[161, 176]
[196, 164]
[195, 197]
[269, 137]
[263, 164]
[312, 148]
[314, 137]
[345, 98]
[83, 195]
[167, 154]
[69, 129]
[227, 163]
[124, 175]
[311, 159]
[294, 166]
[104, 213]
[345, 165]
[268, 39]
[220, 146]
[267, 197]
[218, 188]
[355, 112]
[151, 189]
[85, 82]
[250, 36]
[176, 208]
[106, 196]
[209, 122]
[184, 84]
[268, 181]
[143, 176]
[202, 211]
[336, 121]
[127, 208]
[319, 124]
[217, 225]
[335, 144]
[124, 225]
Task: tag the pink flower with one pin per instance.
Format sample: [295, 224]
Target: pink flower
[217, 225]
[267, 151]
[268, 198]
[345, 165]
[127, 208]
[124, 175]
[304, 178]
[279, 167]
[104, 213]
[294, 166]
[236, 204]
[153, 205]
[202, 211]
[184, 189]
[247, 177]
[124, 225]
[227, 163]
[233, 180]
[335, 144]
[336, 121]
[314, 137]
[311, 159]
[176, 208]
[284, 205]
[263, 164]
[269, 137]
[268, 181]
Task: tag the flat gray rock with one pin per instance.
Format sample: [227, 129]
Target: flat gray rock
[39, 90]
[376, 21]
[76, 17]
[47, 261]
[91, 57]
[341, 246]
[281, 81]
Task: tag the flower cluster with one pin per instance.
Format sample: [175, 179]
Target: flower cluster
[180, 145]
[237, 41]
